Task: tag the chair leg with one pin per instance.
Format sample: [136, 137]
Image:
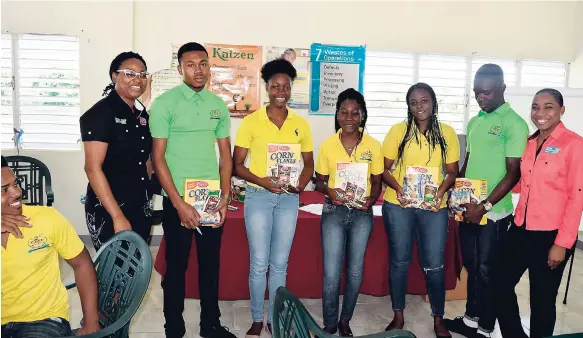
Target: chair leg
[569, 276]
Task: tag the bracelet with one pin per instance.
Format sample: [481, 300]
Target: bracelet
[224, 197]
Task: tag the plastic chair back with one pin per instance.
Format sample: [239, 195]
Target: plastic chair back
[34, 178]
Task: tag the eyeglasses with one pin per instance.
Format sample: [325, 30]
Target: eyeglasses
[130, 74]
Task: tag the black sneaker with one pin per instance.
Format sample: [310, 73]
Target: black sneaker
[216, 332]
[457, 325]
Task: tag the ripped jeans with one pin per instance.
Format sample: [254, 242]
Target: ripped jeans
[430, 228]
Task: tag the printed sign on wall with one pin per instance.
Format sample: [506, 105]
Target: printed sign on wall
[333, 70]
[235, 76]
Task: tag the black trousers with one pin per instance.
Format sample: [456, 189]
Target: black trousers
[481, 245]
[208, 249]
[100, 223]
[528, 250]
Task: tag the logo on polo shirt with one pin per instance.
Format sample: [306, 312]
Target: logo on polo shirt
[366, 156]
[495, 130]
[215, 114]
[38, 242]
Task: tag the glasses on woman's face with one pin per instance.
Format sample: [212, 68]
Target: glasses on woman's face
[131, 74]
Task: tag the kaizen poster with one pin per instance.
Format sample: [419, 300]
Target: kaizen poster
[235, 76]
[300, 59]
[334, 69]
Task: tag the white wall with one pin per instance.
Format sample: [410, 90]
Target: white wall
[497, 29]
[576, 67]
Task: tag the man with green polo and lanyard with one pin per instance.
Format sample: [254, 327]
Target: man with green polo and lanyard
[496, 139]
[186, 122]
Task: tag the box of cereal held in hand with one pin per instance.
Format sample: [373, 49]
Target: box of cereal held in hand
[467, 191]
[202, 195]
[284, 159]
[417, 182]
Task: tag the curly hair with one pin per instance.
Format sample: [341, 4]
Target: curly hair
[278, 66]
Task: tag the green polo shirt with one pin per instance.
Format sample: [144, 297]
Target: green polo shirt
[491, 138]
[191, 122]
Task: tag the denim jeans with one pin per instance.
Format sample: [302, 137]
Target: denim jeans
[481, 247]
[430, 228]
[50, 327]
[270, 221]
[343, 230]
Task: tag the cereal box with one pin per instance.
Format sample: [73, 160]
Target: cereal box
[282, 154]
[197, 193]
[414, 186]
[353, 179]
[467, 191]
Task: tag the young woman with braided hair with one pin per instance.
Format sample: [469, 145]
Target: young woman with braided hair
[420, 141]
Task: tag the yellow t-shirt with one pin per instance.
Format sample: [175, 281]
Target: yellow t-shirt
[417, 154]
[31, 278]
[332, 152]
[257, 131]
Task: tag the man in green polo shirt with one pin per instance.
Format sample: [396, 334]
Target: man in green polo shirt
[496, 139]
[186, 122]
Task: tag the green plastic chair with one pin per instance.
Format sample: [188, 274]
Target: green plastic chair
[124, 268]
[291, 320]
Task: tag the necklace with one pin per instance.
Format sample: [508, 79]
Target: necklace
[349, 150]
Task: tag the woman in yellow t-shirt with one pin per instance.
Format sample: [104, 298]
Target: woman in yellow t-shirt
[276, 139]
[424, 145]
[349, 156]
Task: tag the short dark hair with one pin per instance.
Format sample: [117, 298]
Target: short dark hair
[555, 93]
[116, 64]
[491, 71]
[4, 162]
[351, 94]
[190, 47]
[278, 66]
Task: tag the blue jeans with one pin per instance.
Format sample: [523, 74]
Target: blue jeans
[46, 328]
[343, 230]
[430, 228]
[270, 220]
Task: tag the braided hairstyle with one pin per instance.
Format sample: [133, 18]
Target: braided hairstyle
[116, 64]
[433, 133]
[351, 94]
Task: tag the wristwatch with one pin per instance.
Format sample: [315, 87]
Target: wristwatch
[225, 196]
[487, 205]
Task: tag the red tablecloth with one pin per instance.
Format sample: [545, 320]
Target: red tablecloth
[304, 274]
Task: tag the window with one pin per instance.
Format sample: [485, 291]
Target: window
[7, 82]
[46, 76]
[543, 74]
[447, 75]
[387, 78]
[389, 75]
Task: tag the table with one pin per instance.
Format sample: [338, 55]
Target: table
[305, 268]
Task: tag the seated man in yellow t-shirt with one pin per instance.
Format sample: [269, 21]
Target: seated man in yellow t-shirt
[34, 299]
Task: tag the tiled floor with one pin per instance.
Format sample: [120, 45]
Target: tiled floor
[372, 313]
